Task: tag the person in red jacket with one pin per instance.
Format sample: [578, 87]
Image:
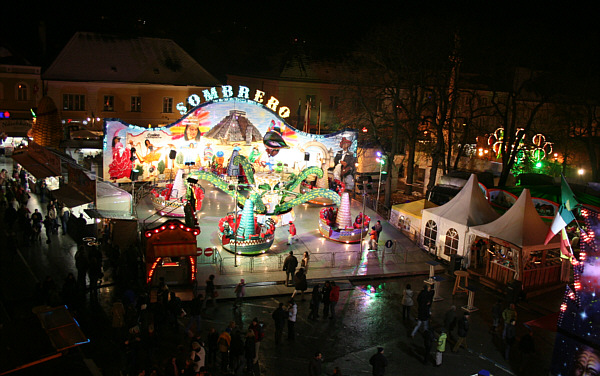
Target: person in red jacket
[292, 233]
[334, 296]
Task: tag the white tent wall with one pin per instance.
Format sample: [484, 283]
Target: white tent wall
[468, 208]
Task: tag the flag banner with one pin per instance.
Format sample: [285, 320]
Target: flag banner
[564, 215]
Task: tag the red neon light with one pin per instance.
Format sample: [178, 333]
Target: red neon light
[193, 263]
[170, 264]
[151, 271]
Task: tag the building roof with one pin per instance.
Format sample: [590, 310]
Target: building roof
[98, 57]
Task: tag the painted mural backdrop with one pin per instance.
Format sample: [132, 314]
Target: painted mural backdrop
[208, 136]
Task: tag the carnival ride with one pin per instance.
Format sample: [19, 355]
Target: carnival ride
[337, 225]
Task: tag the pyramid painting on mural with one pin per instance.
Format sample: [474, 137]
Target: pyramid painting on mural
[235, 127]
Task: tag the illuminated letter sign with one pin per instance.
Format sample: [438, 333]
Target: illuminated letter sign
[210, 95]
[227, 92]
[243, 92]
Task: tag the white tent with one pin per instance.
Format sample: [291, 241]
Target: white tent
[522, 229]
[444, 228]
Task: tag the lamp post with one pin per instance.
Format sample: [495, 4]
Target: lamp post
[381, 160]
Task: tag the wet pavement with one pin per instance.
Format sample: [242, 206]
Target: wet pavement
[369, 311]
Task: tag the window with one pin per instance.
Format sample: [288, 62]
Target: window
[430, 235]
[451, 243]
[404, 223]
[73, 102]
[136, 104]
[109, 103]
[22, 92]
[167, 105]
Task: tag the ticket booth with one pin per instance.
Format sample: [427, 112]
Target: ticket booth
[171, 254]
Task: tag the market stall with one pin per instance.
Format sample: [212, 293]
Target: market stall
[444, 228]
[514, 248]
[407, 217]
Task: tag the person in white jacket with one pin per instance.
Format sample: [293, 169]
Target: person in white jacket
[292, 313]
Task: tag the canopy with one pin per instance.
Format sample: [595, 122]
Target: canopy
[468, 208]
[521, 226]
[407, 216]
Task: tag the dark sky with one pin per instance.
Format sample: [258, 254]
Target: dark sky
[248, 34]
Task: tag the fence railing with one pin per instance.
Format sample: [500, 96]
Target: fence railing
[230, 264]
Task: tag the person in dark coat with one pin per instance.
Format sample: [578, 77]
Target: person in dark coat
[289, 266]
[325, 298]
[510, 339]
[315, 302]
[428, 339]
[300, 284]
[379, 362]
[280, 317]
[463, 329]
[423, 309]
[250, 350]
[314, 365]
[450, 320]
[526, 348]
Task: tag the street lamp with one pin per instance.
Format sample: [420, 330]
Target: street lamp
[381, 160]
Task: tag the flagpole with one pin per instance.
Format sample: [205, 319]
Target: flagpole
[319, 117]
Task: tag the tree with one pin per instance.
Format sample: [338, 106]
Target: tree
[388, 88]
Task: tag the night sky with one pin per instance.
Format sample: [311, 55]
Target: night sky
[243, 37]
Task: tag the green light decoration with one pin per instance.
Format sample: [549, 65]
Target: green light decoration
[313, 170]
[311, 195]
[248, 170]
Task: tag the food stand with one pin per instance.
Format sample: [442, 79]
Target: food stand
[514, 249]
[171, 253]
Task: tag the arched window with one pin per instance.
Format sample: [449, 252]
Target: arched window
[404, 223]
[451, 244]
[22, 92]
[430, 235]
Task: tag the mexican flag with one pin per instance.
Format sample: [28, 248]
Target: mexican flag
[564, 215]
[565, 245]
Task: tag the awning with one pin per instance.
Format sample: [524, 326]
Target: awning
[548, 322]
[35, 168]
[108, 214]
[175, 249]
[71, 197]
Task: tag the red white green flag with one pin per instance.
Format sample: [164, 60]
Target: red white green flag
[564, 215]
[565, 245]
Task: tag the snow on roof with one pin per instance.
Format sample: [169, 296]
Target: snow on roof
[111, 58]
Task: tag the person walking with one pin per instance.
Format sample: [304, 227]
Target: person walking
[304, 262]
[240, 292]
[291, 233]
[510, 338]
[496, 316]
[250, 351]
[428, 339]
[441, 347]
[463, 330]
[48, 225]
[300, 284]
[407, 301]
[315, 365]
[378, 362]
[378, 229]
[292, 314]
[315, 302]
[325, 294]
[526, 349]
[423, 309]
[210, 292]
[259, 333]
[279, 316]
[195, 315]
[334, 296]
[65, 213]
[508, 315]
[450, 320]
[223, 344]
[289, 266]
[373, 239]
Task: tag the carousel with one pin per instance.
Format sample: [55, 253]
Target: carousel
[336, 224]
